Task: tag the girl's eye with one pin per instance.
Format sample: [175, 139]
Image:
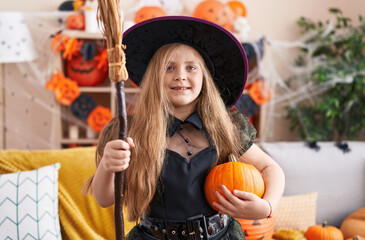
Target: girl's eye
[191, 68]
[170, 68]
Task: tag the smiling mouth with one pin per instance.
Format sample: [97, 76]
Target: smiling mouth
[181, 88]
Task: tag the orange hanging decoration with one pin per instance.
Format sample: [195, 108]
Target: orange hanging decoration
[66, 91]
[59, 42]
[214, 11]
[146, 13]
[238, 8]
[72, 48]
[260, 92]
[98, 117]
[102, 60]
[55, 80]
[56, 41]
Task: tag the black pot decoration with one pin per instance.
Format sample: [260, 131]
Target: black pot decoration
[66, 6]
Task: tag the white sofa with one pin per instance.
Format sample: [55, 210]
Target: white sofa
[339, 178]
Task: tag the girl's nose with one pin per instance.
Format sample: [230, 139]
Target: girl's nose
[180, 75]
[180, 78]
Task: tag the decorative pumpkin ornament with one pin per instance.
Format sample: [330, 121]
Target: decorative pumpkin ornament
[323, 232]
[149, 12]
[99, 117]
[262, 229]
[66, 91]
[238, 8]
[55, 80]
[75, 22]
[234, 175]
[215, 11]
[354, 224]
[260, 92]
[85, 72]
[82, 106]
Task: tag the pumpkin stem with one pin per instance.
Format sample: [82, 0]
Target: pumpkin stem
[356, 237]
[232, 158]
[324, 224]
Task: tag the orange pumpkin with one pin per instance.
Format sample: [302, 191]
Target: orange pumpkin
[146, 13]
[66, 91]
[234, 175]
[85, 72]
[238, 8]
[214, 11]
[354, 224]
[98, 117]
[262, 229]
[323, 232]
[76, 22]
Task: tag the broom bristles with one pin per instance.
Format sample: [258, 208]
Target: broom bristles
[111, 22]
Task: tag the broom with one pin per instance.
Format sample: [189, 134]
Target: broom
[110, 20]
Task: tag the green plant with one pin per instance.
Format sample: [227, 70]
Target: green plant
[334, 53]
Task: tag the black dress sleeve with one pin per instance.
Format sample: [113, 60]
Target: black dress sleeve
[246, 130]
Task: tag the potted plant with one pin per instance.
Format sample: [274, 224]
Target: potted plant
[334, 57]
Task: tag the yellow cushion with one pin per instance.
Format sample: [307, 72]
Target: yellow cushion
[296, 212]
[80, 216]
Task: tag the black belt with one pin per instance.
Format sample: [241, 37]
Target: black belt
[194, 228]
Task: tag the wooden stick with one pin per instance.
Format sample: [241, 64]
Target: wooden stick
[110, 19]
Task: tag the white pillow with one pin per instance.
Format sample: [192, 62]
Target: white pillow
[29, 204]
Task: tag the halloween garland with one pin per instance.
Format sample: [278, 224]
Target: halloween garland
[86, 65]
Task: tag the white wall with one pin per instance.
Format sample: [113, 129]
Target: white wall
[276, 18]
[273, 18]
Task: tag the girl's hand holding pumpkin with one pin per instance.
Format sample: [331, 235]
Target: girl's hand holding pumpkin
[240, 204]
[116, 155]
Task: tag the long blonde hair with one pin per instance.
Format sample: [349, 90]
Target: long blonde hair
[149, 125]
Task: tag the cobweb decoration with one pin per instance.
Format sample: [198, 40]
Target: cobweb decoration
[291, 73]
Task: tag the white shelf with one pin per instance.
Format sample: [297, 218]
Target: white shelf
[82, 34]
[107, 89]
[95, 89]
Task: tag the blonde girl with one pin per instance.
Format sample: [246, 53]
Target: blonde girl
[179, 130]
